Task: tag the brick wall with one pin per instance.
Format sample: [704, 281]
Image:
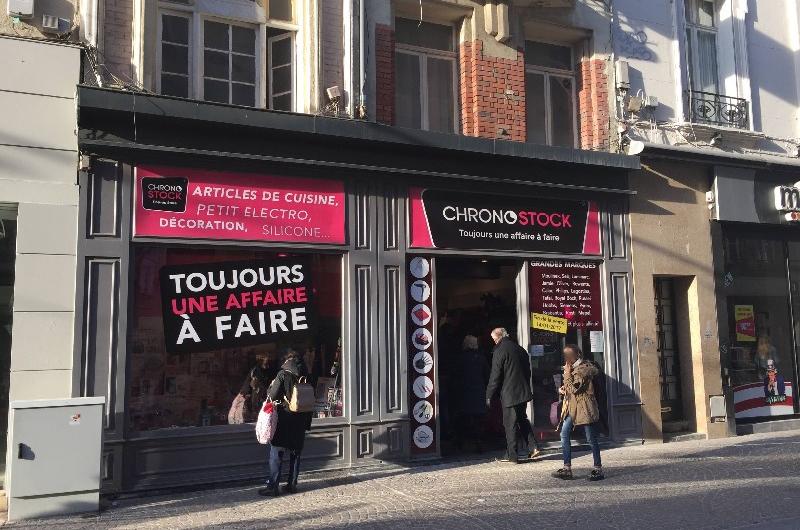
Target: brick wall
[384, 74]
[332, 44]
[593, 105]
[492, 91]
[118, 37]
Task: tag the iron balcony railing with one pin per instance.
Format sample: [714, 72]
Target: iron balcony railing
[716, 109]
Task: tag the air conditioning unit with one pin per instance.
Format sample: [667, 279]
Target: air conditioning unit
[20, 8]
[50, 23]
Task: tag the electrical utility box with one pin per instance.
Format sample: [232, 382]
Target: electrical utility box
[54, 457]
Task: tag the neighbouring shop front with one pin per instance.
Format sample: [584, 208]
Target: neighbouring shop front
[214, 244]
[758, 274]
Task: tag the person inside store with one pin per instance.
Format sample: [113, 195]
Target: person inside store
[765, 352]
[511, 379]
[254, 388]
[580, 409]
[290, 434]
[471, 374]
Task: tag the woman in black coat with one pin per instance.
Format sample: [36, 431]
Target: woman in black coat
[290, 435]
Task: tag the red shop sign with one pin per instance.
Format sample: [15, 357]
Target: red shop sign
[197, 204]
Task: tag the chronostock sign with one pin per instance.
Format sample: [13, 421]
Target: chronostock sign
[210, 306]
[448, 219]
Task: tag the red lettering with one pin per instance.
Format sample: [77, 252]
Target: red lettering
[565, 220]
[233, 302]
[288, 296]
[257, 297]
[523, 218]
[211, 303]
[542, 219]
[301, 295]
[554, 222]
[269, 298]
[175, 310]
[245, 298]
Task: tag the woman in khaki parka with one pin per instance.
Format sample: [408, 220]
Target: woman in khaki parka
[580, 408]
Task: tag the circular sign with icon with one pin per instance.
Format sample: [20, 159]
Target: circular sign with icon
[419, 267]
[423, 386]
[423, 362]
[423, 411]
[423, 436]
[421, 339]
[421, 315]
[420, 291]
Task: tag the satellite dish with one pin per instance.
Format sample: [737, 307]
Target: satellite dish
[635, 147]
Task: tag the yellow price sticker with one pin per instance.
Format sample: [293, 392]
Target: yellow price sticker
[549, 323]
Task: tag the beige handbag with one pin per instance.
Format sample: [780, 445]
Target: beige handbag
[302, 398]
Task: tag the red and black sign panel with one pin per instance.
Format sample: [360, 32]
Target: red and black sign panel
[568, 289]
[209, 306]
[448, 219]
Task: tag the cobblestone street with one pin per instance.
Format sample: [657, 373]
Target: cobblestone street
[745, 482]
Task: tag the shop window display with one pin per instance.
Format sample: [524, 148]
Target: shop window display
[760, 323]
[197, 388]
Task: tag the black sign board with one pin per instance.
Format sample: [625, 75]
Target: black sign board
[164, 194]
[211, 306]
[497, 222]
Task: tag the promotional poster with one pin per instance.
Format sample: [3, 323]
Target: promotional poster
[197, 204]
[210, 306]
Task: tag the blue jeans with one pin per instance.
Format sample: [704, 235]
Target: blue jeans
[591, 437]
[275, 461]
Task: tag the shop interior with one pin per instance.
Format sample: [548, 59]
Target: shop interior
[473, 296]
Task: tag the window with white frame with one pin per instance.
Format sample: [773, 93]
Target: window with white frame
[550, 94]
[425, 76]
[701, 45]
[240, 60]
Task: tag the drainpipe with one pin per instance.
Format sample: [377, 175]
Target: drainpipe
[362, 104]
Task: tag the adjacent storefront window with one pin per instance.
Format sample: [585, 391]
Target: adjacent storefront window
[247, 310]
[756, 288]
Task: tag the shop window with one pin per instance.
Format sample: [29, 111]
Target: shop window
[425, 73]
[550, 94]
[761, 349]
[251, 64]
[569, 290]
[196, 389]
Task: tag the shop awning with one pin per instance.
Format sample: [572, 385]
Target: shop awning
[131, 126]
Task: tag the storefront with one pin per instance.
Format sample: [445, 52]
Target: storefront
[758, 270]
[215, 242]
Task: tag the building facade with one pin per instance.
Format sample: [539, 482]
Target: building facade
[708, 93]
[426, 176]
[38, 203]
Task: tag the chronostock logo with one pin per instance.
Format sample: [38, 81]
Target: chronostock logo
[164, 194]
[508, 217]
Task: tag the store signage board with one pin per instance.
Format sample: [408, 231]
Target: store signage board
[787, 202]
[210, 306]
[569, 289]
[198, 204]
[471, 221]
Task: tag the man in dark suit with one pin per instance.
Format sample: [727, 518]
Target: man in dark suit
[511, 378]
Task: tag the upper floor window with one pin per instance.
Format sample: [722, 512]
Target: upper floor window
[701, 42]
[550, 94]
[425, 74]
[208, 56]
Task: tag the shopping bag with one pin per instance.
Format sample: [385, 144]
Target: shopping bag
[236, 412]
[303, 398]
[267, 422]
[555, 416]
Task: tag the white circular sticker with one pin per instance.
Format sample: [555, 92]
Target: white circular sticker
[421, 315]
[423, 386]
[420, 291]
[421, 339]
[423, 411]
[423, 436]
[419, 267]
[423, 362]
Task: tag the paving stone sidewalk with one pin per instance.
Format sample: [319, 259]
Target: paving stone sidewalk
[745, 482]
